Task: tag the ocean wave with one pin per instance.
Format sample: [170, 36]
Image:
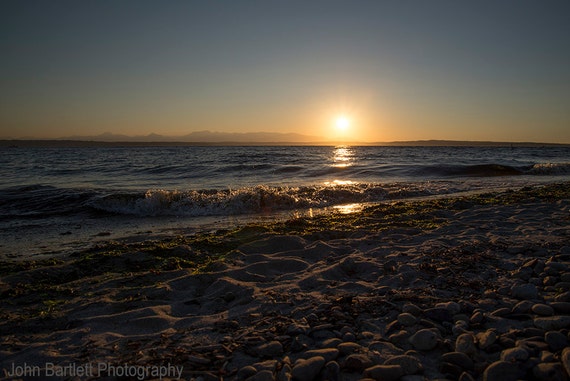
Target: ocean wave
[249, 200]
[550, 169]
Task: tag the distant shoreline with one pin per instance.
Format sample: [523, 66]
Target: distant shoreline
[16, 143]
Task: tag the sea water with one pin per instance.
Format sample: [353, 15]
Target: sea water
[54, 200]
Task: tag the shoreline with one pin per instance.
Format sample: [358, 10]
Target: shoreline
[473, 285]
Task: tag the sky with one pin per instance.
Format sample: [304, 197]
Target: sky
[396, 70]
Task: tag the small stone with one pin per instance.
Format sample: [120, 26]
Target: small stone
[410, 364]
[348, 348]
[424, 340]
[466, 377]
[332, 371]
[542, 309]
[407, 319]
[552, 323]
[246, 372]
[330, 343]
[522, 307]
[565, 359]
[556, 340]
[477, 318]
[452, 307]
[546, 356]
[329, 354]
[451, 371]
[524, 291]
[458, 358]
[486, 339]
[439, 314]
[264, 375]
[349, 336]
[514, 354]
[412, 309]
[549, 372]
[501, 371]
[357, 362]
[465, 343]
[400, 339]
[307, 370]
[460, 327]
[384, 372]
[269, 350]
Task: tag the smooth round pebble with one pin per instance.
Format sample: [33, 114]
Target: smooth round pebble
[465, 343]
[424, 340]
[307, 370]
[542, 309]
[410, 364]
[407, 319]
[384, 372]
[501, 371]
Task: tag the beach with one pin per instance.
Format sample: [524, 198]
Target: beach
[467, 287]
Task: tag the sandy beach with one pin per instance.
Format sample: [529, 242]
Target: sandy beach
[469, 288]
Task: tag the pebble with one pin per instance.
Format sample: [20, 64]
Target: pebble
[424, 340]
[549, 372]
[264, 375]
[329, 354]
[458, 358]
[486, 339]
[465, 343]
[357, 362]
[407, 319]
[384, 372]
[246, 372]
[556, 340]
[543, 309]
[524, 291]
[552, 322]
[514, 354]
[453, 307]
[477, 318]
[501, 371]
[412, 309]
[522, 307]
[307, 370]
[439, 314]
[565, 359]
[410, 364]
[348, 348]
[332, 371]
[269, 350]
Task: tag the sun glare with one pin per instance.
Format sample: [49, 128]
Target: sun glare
[342, 123]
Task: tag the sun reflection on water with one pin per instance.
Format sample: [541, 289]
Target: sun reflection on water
[349, 208]
[343, 157]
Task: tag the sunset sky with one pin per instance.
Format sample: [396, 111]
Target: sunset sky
[396, 70]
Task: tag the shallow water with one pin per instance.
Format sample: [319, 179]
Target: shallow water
[58, 199]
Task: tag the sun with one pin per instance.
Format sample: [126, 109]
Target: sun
[342, 123]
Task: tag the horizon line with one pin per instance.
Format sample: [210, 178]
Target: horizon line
[62, 142]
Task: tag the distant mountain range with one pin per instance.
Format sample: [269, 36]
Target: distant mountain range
[206, 137]
[244, 138]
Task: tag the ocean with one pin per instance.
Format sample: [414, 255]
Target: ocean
[57, 200]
